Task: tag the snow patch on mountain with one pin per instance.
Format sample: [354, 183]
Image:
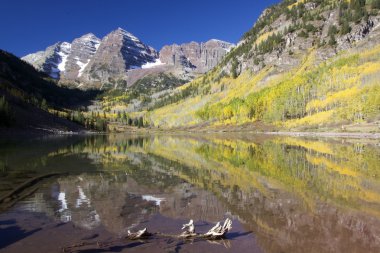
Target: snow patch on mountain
[82, 66]
[149, 65]
[64, 51]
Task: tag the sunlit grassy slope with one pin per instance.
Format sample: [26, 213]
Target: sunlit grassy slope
[342, 90]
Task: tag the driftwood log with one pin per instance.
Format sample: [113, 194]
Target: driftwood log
[217, 232]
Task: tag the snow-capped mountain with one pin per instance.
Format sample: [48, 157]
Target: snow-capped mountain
[119, 51]
[65, 60]
[120, 58]
[91, 60]
[51, 61]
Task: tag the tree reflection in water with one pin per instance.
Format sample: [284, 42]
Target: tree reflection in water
[293, 194]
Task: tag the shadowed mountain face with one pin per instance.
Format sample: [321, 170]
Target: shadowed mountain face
[51, 61]
[293, 194]
[28, 93]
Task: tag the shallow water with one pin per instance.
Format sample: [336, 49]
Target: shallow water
[283, 194]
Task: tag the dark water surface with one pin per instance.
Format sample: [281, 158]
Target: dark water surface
[283, 194]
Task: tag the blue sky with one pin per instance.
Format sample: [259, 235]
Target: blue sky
[30, 25]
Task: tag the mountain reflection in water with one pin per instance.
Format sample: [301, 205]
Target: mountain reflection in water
[295, 195]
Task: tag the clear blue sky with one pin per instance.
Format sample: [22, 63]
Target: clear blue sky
[30, 25]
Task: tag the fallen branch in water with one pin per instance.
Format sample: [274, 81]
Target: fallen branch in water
[23, 190]
[143, 233]
[217, 232]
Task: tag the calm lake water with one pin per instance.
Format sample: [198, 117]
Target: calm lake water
[283, 194]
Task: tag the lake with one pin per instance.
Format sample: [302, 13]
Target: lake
[283, 194]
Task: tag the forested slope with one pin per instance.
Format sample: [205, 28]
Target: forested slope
[304, 65]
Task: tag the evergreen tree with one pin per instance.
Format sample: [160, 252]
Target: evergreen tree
[332, 40]
[345, 27]
[100, 124]
[5, 112]
[375, 4]
[44, 105]
[332, 30]
[141, 122]
[303, 34]
[135, 122]
[234, 66]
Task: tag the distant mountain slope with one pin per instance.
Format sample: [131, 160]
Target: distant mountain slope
[120, 59]
[28, 94]
[304, 65]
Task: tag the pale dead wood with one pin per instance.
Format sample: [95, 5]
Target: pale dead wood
[215, 233]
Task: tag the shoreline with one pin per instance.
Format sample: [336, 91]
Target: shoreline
[356, 135]
[201, 131]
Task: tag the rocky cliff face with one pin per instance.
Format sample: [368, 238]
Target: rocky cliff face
[82, 51]
[289, 30]
[197, 57]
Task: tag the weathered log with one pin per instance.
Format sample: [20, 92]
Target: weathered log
[215, 233]
[143, 233]
[219, 231]
[189, 230]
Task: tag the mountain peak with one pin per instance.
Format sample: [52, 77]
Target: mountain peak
[119, 52]
[219, 41]
[224, 44]
[65, 45]
[94, 61]
[120, 29]
[126, 34]
[89, 36]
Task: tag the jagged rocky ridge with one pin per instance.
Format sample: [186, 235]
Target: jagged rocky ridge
[120, 59]
[201, 57]
[287, 31]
